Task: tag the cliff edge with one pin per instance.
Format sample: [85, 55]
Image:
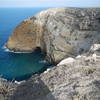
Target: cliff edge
[63, 33]
[72, 79]
[60, 32]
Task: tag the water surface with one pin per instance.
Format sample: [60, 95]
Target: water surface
[17, 66]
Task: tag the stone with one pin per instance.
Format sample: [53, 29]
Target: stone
[66, 61]
[59, 32]
[95, 47]
[78, 80]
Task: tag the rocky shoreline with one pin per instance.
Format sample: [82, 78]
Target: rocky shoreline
[71, 38]
[77, 80]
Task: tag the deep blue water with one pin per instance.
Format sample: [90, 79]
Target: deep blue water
[13, 65]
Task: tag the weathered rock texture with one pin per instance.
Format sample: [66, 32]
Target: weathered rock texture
[26, 37]
[78, 80]
[60, 32]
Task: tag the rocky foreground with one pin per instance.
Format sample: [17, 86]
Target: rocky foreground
[77, 79]
[71, 38]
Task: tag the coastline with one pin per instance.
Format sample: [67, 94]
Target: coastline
[8, 50]
[72, 78]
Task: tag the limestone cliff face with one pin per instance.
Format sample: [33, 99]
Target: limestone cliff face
[60, 32]
[26, 37]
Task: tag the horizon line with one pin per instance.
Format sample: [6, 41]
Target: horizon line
[53, 7]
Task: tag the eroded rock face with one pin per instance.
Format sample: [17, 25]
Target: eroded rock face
[78, 80]
[60, 32]
[26, 37]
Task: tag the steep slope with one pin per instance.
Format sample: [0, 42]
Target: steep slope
[60, 32]
[77, 80]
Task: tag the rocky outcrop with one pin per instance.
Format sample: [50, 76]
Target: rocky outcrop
[77, 80]
[60, 32]
[26, 37]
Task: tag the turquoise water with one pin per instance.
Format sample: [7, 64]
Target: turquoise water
[18, 66]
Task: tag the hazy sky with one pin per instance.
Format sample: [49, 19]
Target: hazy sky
[49, 3]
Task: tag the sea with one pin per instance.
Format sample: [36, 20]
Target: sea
[18, 66]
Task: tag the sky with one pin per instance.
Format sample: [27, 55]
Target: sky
[49, 3]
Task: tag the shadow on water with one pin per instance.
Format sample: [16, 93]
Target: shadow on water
[33, 89]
